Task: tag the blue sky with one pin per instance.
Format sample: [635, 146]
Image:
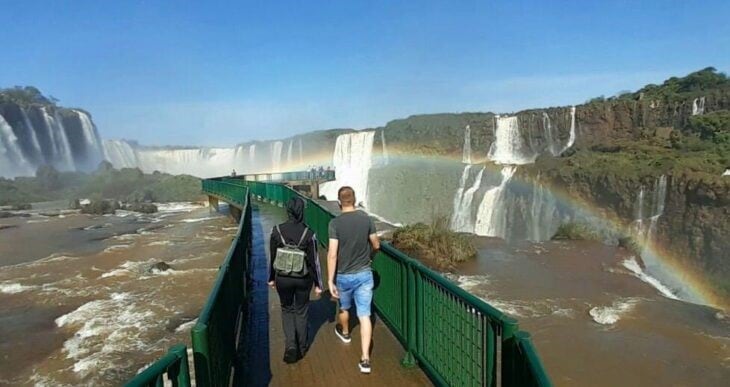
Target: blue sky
[217, 73]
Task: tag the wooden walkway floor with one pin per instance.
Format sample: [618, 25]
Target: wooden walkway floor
[330, 362]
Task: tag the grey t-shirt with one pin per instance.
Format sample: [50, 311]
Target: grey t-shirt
[352, 230]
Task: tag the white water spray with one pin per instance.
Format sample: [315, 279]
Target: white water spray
[276, 148]
[386, 158]
[462, 218]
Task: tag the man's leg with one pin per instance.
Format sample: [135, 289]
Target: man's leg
[363, 301]
[343, 318]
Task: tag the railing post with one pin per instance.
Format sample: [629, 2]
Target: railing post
[201, 354]
[510, 352]
[409, 360]
[183, 373]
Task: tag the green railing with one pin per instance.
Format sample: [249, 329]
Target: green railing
[288, 176]
[457, 338]
[174, 364]
[223, 319]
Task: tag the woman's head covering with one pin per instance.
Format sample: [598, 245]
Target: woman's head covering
[295, 209]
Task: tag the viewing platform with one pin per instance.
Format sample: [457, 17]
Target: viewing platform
[426, 329]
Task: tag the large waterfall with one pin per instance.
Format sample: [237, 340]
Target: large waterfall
[352, 160]
[386, 158]
[508, 146]
[38, 135]
[290, 153]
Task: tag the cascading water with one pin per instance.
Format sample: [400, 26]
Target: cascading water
[120, 154]
[571, 139]
[61, 145]
[550, 137]
[463, 218]
[386, 158]
[290, 154]
[543, 216]
[508, 147]
[466, 153]
[352, 160]
[276, 148]
[698, 106]
[12, 161]
[33, 137]
[491, 216]
[252, 156]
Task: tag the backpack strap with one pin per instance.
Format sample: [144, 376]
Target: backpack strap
[304, 235]
[281, 236]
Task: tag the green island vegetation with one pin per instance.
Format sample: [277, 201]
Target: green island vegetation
[574, 231]
[435, 243]
[128, 185]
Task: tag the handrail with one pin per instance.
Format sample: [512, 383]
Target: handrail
[450, 332]
[174, 364]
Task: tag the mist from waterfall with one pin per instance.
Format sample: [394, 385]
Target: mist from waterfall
[290, 154]
[352, 159]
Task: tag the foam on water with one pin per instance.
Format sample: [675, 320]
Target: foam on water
[14, 287]
[195, 220]
[639, 273]
[609, 315]
[103, 330]
[177, 207]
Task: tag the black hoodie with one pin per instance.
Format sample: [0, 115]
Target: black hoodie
[291, 231]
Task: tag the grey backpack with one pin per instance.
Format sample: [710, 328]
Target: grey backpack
[290, 260]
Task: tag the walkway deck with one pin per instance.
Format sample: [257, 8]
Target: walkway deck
[329, 361]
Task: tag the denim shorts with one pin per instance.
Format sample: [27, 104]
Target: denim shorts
[358, 286]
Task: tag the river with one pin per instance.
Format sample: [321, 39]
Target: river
[80, 302]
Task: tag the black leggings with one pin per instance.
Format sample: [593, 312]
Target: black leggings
[294, 298]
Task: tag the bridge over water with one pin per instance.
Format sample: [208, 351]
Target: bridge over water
[427, 329]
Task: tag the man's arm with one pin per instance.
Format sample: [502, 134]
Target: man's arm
[375, 242]
[332, 266]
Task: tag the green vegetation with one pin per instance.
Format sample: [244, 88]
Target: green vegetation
[707, 78]
[126, 185]
[714, 127]
[575, 232]
[25, 96]
[435, 243]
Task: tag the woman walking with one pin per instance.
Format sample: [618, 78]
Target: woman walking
[294, 269]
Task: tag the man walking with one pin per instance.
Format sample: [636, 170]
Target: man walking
[352, 242]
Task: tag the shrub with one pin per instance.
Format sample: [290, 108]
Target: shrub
[575, 231]
[435, 243]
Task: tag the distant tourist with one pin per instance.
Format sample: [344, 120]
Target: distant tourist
[293, 269]
[233, 173]
[353, 239]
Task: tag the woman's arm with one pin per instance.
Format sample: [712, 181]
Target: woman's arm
[274, 243]
[313, 260]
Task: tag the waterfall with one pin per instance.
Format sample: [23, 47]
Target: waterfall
[252, 157]
[12, 161]
[508, 147]
[60, 148]
[386, 158]
[491, 217]
[462, 218]
[698, 106]
[120, 154]
[466, 156]
[571, 139]
[352, 160]
[91, 136]
[33, 137]
[551, 138]
[290, 155]
[276, 148]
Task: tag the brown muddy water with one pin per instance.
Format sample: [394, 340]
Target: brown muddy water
[79, 304]
[596, 318]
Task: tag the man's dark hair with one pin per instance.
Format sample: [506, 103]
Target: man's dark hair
[346, 196]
